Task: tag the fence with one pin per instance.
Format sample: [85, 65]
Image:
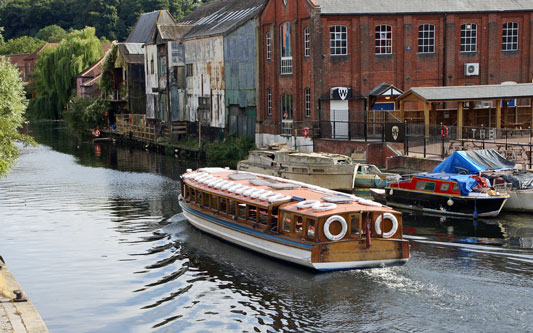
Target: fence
[134, 126]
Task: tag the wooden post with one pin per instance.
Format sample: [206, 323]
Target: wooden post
[459, 120]
[498, 113]
[426, 118]
[402, 112]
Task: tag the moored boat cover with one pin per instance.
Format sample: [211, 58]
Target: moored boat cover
[473, 162]
[465, 182]
[520, 180]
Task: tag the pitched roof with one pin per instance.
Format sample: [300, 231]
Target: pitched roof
[144, 30]
[221, 16]
[131, 52]
[420, 6]
[470, 93]
[173, 31]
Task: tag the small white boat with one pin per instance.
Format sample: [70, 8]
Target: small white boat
[292, 221]
[369, 175]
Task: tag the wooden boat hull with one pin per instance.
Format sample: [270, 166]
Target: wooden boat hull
[461, 206]
[321, 257]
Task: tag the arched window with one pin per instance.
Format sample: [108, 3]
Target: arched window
[268, 40]
[307, 42]
[285, 48]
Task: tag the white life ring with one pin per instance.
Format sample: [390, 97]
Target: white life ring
[323, 206]
[392, 218]
[306, 204]
[227, 185]
[241, 189]
[329, 221]
[248, 191]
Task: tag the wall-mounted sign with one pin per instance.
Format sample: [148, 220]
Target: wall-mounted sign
[340, 93]
[395, 132]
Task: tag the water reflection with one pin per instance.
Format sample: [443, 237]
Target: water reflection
[98, 241]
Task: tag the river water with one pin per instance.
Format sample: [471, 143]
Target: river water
[94, 234]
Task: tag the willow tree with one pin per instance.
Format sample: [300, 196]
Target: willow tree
[12, 106]
[56, 70]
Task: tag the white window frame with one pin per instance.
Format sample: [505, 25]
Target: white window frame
[307, 42]
[269, 101]
[338, 40]
[307, 96]
[268, 46]
[383, 39]
[468, 38]
[510, 36]
[285, 52]
[426, 38]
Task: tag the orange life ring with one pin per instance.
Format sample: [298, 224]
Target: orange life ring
[306, 132]
[96, 133]
[444, 131]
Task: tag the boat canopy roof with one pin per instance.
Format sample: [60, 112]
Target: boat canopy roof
[473, 162]
[465, 182]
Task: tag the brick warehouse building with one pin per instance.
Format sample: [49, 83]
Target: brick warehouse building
[320, 59]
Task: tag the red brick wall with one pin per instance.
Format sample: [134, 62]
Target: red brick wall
[362, 70]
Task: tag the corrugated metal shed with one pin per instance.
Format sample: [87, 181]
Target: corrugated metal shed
[221, 17]
[420, 6]
[471, 93]
[144, 30]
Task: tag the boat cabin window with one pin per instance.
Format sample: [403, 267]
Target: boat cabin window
[319, 170]
[241, 210]
[355, 224]
[214, 202]
[252, 213]
[223, 205]
[286, 225]
[455, 188]
[231, 207]
[444, 187]
[311, 228]
[299, 224]
[425, 185]
[263, 216]
[275, 212]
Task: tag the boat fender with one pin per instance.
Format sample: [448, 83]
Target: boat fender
[329, 221]
[323, 206]
[227, 185]
[279, 197]
[257, 192]
[241, 189]
[248, 191]
[267, 194]
[450, 202]
[392, 218]
[391, 191]
[234, 188]
[306, 204]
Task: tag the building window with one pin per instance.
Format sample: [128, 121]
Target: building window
[426, 38]
[307, 94]
[383, 39]
[286, 106]
[338, 40]
[269, 101]
[307, 42]
[189, 70]
[510, 36]
[469, 37]
[268, 46]
[285, 48]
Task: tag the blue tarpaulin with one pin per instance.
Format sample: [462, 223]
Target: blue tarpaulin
[465, 182]
[473, 162]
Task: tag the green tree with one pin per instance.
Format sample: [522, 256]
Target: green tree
[12, 106]
[52, 34]
[56, 70]
[24, 44]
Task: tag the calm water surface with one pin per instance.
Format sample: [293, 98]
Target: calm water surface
[94, 234]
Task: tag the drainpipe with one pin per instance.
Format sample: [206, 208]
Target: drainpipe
[444, 50]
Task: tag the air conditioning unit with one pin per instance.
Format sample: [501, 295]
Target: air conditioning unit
[472, 69]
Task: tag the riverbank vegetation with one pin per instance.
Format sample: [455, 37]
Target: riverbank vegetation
[228, 152]
[13, 103]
